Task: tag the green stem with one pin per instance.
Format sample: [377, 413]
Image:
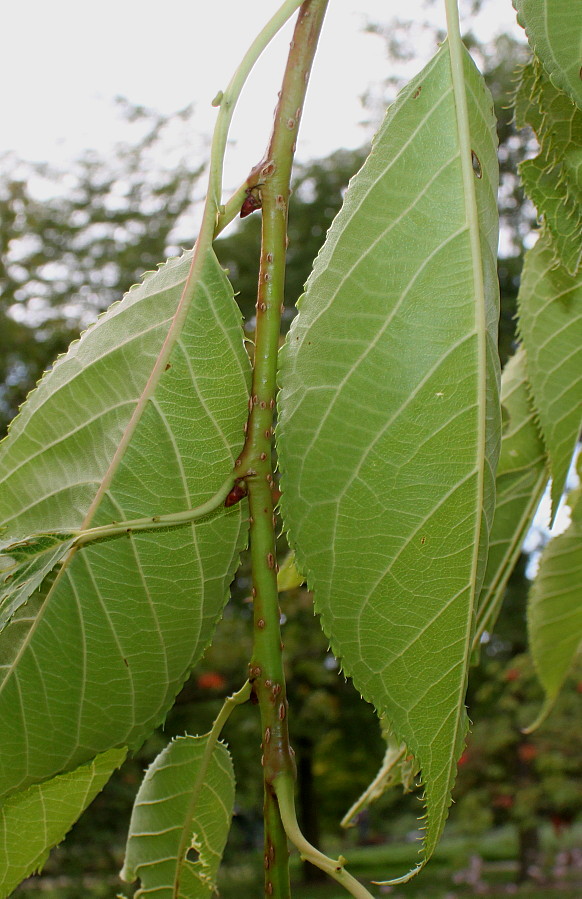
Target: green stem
[231, 209]
[152, 522]
[229, 98]
[229, 705]
[227, 101]
[255, 463]
[284, 787]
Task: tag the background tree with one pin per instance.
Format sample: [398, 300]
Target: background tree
[69, 255]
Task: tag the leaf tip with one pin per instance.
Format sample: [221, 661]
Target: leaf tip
[396, 881]
[545, 710]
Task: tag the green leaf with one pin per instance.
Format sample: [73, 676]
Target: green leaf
[554, 608]
[521, 480]
[288, 576]
[144, 415]
[35, 820]
[398, 767]
[554, 33]
[389, 416]
[550, 322]
[180, 820]
[25, 565]
[553, 180]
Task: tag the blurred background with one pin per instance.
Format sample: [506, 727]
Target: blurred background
[102, 176]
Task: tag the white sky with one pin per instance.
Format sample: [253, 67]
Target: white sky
[62, 63]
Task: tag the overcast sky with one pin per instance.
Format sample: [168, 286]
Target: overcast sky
[63, 62]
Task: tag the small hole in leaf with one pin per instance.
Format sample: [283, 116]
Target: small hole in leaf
[476, 164]
[192, 855]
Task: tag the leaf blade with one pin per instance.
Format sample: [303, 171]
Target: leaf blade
[553, 179]
[520, 482]
[134, 613]
[550, 324]
[34, 821]
[185, 801]
[554, 612]
[379, 301]
[26, 563]
[553, 31]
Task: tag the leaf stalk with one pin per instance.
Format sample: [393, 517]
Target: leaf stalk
[284, 787]
[153, 522]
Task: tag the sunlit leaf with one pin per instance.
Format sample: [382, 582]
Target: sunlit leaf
[288, 576]
[35, 820]
[550, 322]
[553, 179]
[180, 821]
[522, 476]
[389, 426]
[555, 610]
[144, 415]
[554, 33]
[25, 565]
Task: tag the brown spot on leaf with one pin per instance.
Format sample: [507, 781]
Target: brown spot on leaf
[476, 164]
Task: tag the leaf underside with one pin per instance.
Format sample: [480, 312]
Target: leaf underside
[183, 809]
[554, 33]
[553, 179]
[35, 820]
[550, 322]
[554, 607]
[520, 482]
[25, 565]
[389, 418]
[143, 416]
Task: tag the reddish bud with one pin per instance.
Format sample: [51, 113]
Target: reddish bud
[250, 204]
[236, 494]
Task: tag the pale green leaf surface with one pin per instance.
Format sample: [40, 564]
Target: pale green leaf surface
[554, 34]
[520, 482]
[185, 802]
[35, 820]
[288, 576]
[95, 657]
[553, 179]
[25, 565]
[554, 607]
[561, 214]
[389, 417]
[550, 317]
